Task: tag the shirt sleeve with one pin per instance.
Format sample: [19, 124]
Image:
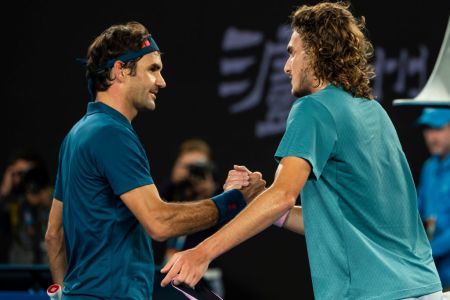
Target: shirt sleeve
[122, 160]
[310, 134]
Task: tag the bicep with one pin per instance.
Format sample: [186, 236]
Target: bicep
[292, 174]
[143, 202]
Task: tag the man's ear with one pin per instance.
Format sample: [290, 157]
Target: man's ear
[118, 72]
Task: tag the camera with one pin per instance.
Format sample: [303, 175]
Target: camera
[199, 170]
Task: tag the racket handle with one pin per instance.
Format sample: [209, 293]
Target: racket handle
[54, 292]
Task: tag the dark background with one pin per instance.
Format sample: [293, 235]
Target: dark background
[45, 95]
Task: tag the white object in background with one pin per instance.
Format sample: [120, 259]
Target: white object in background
[436, 92]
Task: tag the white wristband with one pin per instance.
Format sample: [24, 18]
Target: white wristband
[280, 222]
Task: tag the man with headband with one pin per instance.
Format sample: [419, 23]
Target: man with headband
[341, 152]
[106, 207]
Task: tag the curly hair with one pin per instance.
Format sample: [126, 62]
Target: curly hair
[339, 51]
[114, 41]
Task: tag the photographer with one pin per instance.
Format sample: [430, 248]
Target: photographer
[192, 178]
[29, 217]
[12, 196]
[192, 175]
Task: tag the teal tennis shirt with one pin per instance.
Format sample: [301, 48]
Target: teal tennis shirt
[364, 236]
[108, 251]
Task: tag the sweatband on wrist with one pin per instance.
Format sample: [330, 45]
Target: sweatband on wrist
[229, 204]
[280, 222]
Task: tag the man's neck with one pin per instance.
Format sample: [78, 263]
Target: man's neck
[117, 103]
[320, 87]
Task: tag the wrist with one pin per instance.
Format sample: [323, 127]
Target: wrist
[209, 248]
[229, 204]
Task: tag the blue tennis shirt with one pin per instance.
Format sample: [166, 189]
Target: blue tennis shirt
[108, 251]
[364, 236]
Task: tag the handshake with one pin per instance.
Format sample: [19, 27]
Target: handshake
[249, 183]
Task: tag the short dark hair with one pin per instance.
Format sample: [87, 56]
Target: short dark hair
[114, 41]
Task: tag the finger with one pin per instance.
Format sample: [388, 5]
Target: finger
[235, 173]
[176, 281]
[235, 177]
[237, 180]
[170, 263]
[181, 276]
[235, 185]
[257, 175]
[172, 274]
[167, 279]
[192, 280]
[242, 168]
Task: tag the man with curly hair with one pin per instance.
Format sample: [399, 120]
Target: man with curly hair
[341, 152]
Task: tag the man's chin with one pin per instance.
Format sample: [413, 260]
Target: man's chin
[151, 105]
[148, 107]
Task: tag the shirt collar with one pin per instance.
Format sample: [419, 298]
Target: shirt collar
[100, 107]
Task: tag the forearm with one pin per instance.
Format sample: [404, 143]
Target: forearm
[55, 242]
[176, 219]
[57, 258]
[294, 221]
[257, 216]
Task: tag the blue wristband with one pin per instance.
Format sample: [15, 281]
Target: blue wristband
[229, 204]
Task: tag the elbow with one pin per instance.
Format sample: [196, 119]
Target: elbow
[52, 237]
[158, 232]
[284, 198]
[159, 237]
[156, 223]
[286, 201]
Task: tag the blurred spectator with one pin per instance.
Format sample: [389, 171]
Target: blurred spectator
[29, 218]
[434, 188]
[192, 178]
[192, 173]
[24, 201]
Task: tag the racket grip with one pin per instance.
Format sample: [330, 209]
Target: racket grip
[54, 292]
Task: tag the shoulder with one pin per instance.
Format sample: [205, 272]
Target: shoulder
[99, 131]
[311, 106]
[326, 99]
[100, 126]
